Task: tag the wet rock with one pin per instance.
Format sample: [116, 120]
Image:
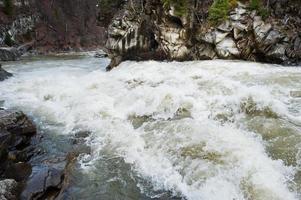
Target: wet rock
[82, 134]
[8, 189]
[18, 171]
[42, 183]
[16, 122]
[4, 74]
[65, 192]
[295, 94]
[9, 54]
[100, 55]
[115, 61]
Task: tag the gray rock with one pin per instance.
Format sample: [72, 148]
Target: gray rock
[42, 180]
[262, 31]
[273, 37]
[226, 48]
[205, 51]
[295, 94]
[4, 74]
[9, 54]
[226, 26]
[209, 38]
[8, 189]
[16, 122]
[278, 53]
[220, 36]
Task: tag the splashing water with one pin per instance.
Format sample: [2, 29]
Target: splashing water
[207, 130]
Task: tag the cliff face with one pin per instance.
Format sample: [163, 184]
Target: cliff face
[154, 30]
[52, 24]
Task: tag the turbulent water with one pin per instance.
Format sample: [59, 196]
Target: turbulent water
[205, 130]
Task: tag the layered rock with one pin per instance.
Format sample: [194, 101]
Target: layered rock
[149, 28]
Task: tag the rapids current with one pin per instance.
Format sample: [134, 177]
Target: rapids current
[204, 130]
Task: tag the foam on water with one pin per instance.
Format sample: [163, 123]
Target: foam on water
[210, 152]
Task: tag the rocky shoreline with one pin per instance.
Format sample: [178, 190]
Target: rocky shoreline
[26, 171]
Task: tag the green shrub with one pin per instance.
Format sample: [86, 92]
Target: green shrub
[258, 6]
[8, 40]
[8, 7]
[180, 6]
[219, 11]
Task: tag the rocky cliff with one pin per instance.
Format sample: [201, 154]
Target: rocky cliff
[51, 25]
[265, 31]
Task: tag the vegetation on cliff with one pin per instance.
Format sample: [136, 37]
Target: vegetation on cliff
[180, 6]
[8, 7]
[219, 10]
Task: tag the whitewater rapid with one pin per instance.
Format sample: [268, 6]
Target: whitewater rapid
[204, 130]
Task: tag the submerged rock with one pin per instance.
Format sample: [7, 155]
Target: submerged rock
[295, 94]
[4, 74]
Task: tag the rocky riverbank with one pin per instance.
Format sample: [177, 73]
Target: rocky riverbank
[20, 177]
[26, 170]
[156, 30]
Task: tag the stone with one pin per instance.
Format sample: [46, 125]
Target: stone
[219, 36]
[239, 10]
[262, 31]
[205, 51]
[43, 180]
[18, 171]
[8, 189]
[226, 26]
[16, 122]
[4, 74]
[100, 55]
[257, 22]
[273, 37]
[9, 54]
[295, 94]
[235, 17]
[277, 53]
[209, 37]
[227, 48]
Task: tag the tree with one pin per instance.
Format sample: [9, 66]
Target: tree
[8, 7]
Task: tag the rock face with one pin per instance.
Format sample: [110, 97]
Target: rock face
[150, 30]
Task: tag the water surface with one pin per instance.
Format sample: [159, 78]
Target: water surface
[195, 130]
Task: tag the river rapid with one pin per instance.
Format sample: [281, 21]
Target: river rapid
[203, 130]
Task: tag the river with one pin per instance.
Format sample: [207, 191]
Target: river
[201, 130]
